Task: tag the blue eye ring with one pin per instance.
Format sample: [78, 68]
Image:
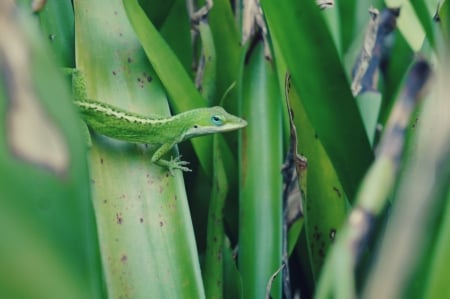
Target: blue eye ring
[216, 120]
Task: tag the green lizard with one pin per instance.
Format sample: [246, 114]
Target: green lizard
[152, 129]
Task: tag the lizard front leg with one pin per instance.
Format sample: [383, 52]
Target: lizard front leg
[172, 164]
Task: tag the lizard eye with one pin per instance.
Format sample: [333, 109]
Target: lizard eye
[217, 120]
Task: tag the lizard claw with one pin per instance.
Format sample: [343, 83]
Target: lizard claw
[177, 163]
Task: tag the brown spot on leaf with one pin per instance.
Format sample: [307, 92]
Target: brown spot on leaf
[338, 192]
[415, 123]
[119, 218]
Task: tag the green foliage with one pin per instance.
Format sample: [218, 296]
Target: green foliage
[102, 221]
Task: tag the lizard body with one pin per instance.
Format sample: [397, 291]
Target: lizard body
[153, 129]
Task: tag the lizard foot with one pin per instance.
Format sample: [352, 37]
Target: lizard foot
[175, 163]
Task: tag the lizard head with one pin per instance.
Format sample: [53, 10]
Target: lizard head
[212, 120]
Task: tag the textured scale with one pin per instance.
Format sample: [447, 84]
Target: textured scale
[165, 131]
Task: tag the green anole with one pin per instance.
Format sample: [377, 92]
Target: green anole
[152, 129]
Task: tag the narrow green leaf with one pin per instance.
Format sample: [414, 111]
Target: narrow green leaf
[260, 223]
[437, 285]
[232, 278]
[409, 24]
[214, 262]
[425, 16]
[325, 203]
[418, 199]
[208, 77]
[228, 50]
[369, 103]
[319, 77]
[401, 57]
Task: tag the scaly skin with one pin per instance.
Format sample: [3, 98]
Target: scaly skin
[152, 129]
[164, 131]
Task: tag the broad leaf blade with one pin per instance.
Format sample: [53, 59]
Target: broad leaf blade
[319, 77]
[145, 230]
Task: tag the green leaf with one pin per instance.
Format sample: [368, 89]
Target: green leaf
[319, 77]
[228, 50]
[49, 242]
[369, 103]
[436, 285]
[157, 10]
[260, 221]
[176, 31]
[409, 24]
[347, 13]
[57, 25]
[325, 202]
[424, 11]
[179, 86]
[213, 272]
[147, 240]
[170, 71]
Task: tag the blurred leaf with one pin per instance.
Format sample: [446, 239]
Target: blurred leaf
[347, 18]
[49, 243]
[437, 285]
[362, 9]
[57, 25]
[400, 59]
[417, 199]
[331, 17]
[369, 103]
[425, 11]
[408, 24]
